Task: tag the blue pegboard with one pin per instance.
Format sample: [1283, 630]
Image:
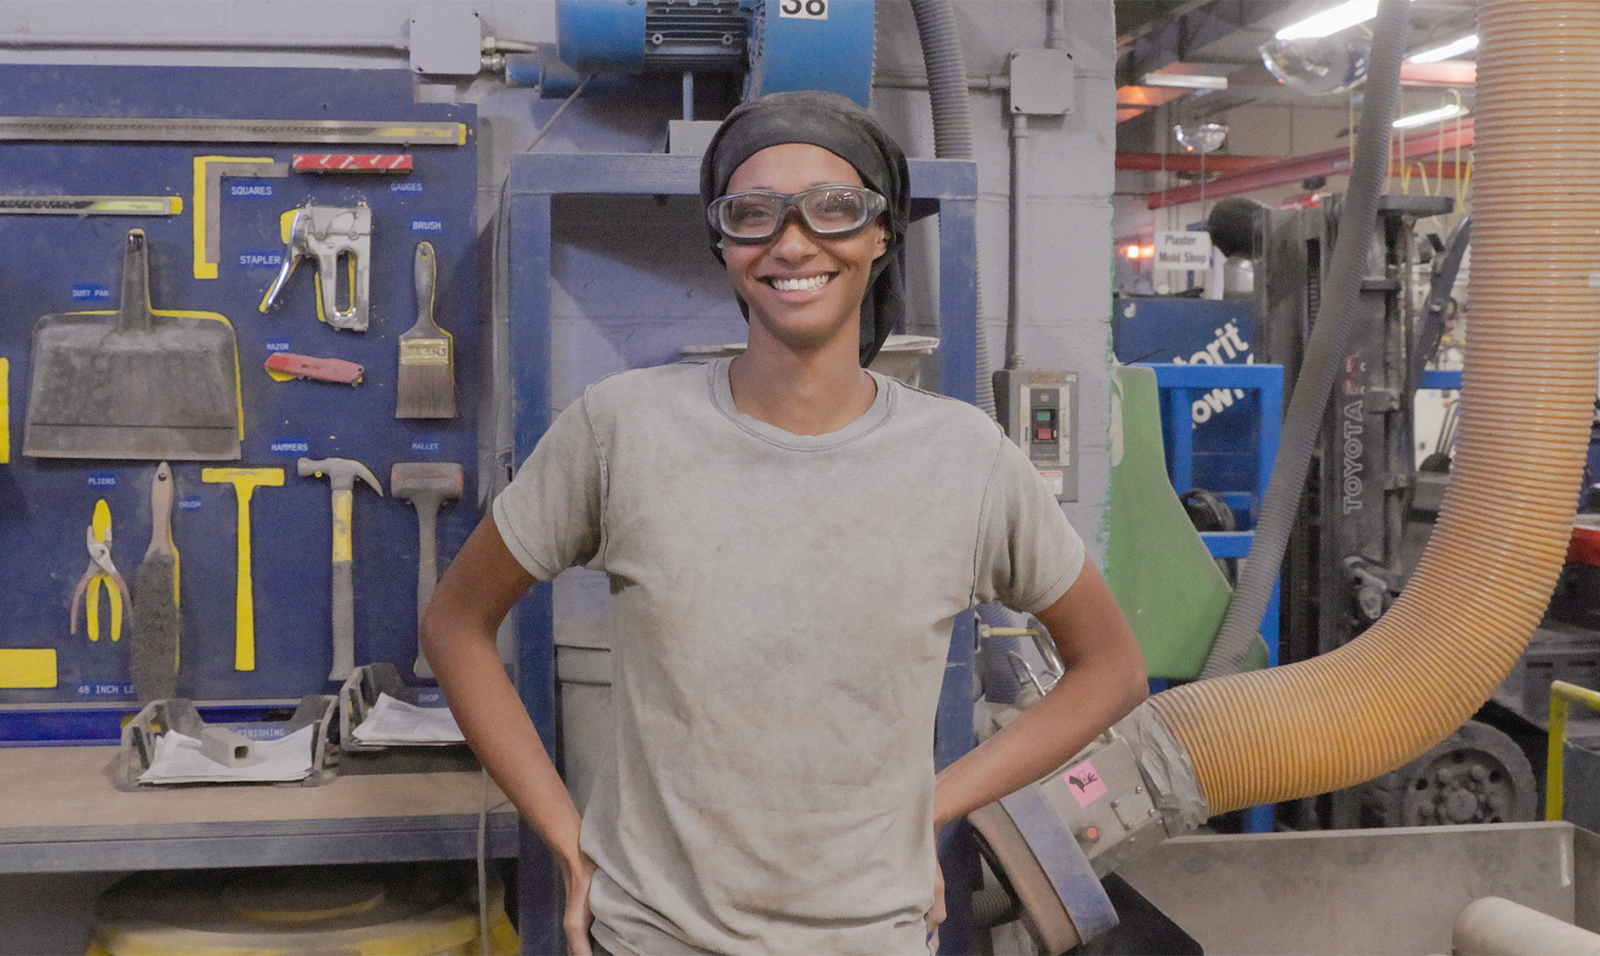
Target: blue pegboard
[55, 264]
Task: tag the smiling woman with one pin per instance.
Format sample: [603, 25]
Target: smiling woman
[862, 155]
[802, 291]
[790, 538]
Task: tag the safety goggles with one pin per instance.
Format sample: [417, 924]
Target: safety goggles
[757, 215]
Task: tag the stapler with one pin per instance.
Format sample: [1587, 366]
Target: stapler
[331, 234]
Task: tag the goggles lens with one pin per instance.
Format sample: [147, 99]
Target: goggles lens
[756, 214]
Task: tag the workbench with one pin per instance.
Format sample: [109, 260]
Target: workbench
[59, 813]
[67, 835]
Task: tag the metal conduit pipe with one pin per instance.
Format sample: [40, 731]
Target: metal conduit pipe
[1016, 285]
[1492, 926]
[1527, 399]
[173, 41]
[1324, 355]
[1018, 243]
[993, 82]
[1055, 33]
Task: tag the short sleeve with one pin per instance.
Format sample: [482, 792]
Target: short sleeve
[1028, 554]
[550, 514]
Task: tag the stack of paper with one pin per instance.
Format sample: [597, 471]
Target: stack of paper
[394, 722]
[178, 760]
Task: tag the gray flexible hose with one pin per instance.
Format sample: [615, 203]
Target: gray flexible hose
[1000, 681]
[947, 78]
[952, 132]
[1335, 320]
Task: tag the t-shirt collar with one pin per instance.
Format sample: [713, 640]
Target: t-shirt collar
[722, 398]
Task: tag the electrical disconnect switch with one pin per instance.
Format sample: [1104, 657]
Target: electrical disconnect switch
[1039, 411]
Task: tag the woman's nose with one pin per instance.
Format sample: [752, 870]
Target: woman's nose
[793, 241]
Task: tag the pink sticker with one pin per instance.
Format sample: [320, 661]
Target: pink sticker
[1085, 784]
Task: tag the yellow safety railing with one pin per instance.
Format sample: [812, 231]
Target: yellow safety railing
[1562, 695]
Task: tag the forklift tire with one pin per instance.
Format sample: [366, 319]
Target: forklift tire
[1476, 775]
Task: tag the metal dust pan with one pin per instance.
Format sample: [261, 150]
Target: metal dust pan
[134, 383]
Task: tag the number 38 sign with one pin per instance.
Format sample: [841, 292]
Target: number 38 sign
[804, 9]
[811, 45]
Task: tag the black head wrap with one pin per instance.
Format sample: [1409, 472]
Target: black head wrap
[839, 126]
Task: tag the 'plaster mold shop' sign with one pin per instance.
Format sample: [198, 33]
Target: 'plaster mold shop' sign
[1183, 250]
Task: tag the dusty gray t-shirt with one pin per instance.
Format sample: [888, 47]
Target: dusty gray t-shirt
[782, 608]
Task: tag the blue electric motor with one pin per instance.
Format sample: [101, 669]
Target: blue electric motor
[777, 44]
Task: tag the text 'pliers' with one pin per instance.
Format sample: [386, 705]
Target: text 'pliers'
[100, 571]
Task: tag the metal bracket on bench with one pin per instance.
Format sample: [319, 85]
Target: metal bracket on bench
[159, 716]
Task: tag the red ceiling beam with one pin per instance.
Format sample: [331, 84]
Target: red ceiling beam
[1334, 162]
[1451, 73]
[1232, 163]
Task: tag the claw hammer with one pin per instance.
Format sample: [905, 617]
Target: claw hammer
[342, 473]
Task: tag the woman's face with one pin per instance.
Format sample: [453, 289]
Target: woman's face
[803, 291]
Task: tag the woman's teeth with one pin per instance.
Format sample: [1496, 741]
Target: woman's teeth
[800, 285]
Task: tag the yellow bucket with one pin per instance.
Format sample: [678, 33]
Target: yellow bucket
[413, 909]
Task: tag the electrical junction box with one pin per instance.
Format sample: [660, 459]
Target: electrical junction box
[1039, 410]
[446, 41]
[690, 137]
[1041, 82]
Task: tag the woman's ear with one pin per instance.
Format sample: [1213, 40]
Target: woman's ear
[883, 241]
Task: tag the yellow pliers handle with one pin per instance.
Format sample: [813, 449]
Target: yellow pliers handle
[100, 571]
[92, 609]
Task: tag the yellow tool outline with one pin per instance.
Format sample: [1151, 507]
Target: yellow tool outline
[5, 411]
[101, 573]
[91, 205]
[244, 601]
[208, 174]
[27, 668]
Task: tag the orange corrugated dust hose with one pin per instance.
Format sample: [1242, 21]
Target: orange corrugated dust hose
[1527, 399]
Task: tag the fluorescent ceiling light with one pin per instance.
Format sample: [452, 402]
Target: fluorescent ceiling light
[1430, 116]
[1463, 45]
[1185, 81]
[1331, 21]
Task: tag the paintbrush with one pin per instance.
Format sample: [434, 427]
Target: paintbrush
[156, 623]
[426, 387]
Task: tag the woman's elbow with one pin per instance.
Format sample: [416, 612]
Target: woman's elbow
[1138, 688]
[1132, 679]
